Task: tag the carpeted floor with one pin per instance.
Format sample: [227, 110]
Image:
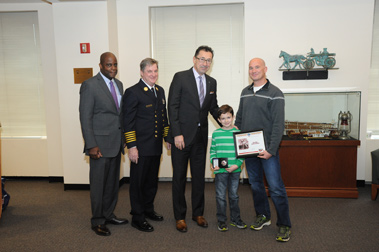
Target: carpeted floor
[43, 217]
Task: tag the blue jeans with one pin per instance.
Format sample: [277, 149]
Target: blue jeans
[271, 167]
[228, 181]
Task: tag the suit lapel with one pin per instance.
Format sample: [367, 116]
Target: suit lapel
[147, 91]
[119, 87]
[194, 85]
[208, 88]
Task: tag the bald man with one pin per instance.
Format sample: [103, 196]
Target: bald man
[262, 107]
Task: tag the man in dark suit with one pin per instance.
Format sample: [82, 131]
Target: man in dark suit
[100, 120]
[192, 96]
[145, 125]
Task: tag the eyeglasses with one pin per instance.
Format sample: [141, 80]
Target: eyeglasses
[203, 60]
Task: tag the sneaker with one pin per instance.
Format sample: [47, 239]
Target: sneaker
[222, 226]
[260, 222]
[240, 224]
[284, 234]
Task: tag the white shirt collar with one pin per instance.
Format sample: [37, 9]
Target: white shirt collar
[148, 84]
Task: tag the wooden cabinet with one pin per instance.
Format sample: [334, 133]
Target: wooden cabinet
[319, 168]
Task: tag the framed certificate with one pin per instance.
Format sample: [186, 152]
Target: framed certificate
[249, 143]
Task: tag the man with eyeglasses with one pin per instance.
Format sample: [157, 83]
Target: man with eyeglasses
[192, 96]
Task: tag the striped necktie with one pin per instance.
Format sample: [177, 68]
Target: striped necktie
[114, 95]
[201, 95]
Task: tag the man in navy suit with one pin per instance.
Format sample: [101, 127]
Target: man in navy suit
[145, 125]
[100, 120]
[192, 96]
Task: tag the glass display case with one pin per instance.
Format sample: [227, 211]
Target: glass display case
[326, 164]
[323, 115]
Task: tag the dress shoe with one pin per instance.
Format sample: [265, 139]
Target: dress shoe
[143, 226]
[154, 216]
[117, 221]
[181, 226]
[101, 230]
[200, 220]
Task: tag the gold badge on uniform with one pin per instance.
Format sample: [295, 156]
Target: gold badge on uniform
[156, 88]
[145, 88]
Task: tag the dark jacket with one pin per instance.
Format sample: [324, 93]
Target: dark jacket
[144, 119]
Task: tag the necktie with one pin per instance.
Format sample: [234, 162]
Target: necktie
[152, 90]
[114, 95]
[201, 95]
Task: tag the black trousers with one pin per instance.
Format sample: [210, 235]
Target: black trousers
[195, 152]
[104, 185]
[143, 186]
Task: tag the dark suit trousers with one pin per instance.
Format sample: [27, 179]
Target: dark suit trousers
[195, 152]
[104, 184]
[143, 186]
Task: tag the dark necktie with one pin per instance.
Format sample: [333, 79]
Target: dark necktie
[152, 90]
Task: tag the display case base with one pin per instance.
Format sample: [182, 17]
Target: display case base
[319, 168]
[305, 75]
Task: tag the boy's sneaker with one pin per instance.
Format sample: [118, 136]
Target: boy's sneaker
[222, 226]
[260, 222]
[284, 234]
[240, 224]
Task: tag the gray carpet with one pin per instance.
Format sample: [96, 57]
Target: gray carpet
[43, 217]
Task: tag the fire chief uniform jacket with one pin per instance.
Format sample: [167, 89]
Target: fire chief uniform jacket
[145, 119]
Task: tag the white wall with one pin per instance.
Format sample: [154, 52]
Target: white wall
[44, 156]
[24, 157]
[271, 26]
[87, 23]
[343, 26]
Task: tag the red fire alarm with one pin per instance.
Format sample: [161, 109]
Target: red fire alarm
[84, 48]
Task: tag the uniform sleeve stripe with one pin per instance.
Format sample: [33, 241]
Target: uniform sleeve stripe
[165, 131]
[130, 136]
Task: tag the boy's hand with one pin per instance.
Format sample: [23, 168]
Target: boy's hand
[215, 168]
[231, 168]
